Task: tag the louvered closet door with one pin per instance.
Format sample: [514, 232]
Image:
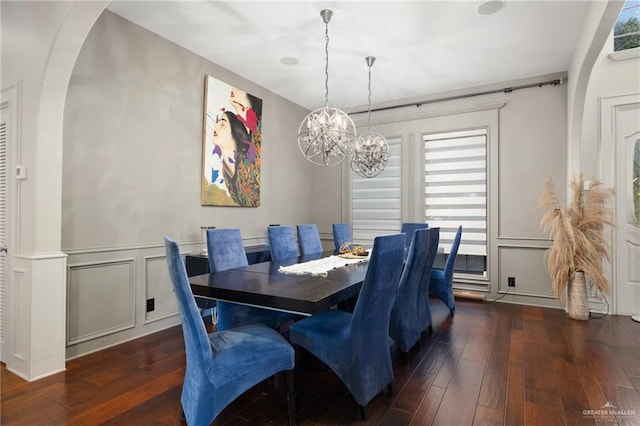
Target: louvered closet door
[3, 231]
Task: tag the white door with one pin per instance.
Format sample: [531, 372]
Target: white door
[620, 142]
[3, 231]
[628, 209]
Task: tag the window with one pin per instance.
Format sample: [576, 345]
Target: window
[626, 33]
[376, 201]
[455, 183]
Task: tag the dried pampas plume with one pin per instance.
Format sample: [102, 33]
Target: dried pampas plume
[577, 229]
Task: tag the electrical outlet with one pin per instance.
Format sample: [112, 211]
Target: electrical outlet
[151, 304]
[511, 281]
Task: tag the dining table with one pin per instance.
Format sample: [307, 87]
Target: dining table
[265, 285]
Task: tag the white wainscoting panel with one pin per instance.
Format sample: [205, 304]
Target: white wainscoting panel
[101, 299]
[527, 266]
[20, 321]
[158, 286]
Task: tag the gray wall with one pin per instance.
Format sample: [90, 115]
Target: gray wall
[131, 175]
[527, 143]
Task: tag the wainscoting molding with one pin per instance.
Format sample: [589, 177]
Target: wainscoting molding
[523, 263]
[157, 285]
[100, 299]
[17, 327]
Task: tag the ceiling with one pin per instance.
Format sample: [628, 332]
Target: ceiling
[422, 47]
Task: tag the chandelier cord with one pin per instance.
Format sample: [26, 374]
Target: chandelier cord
[369, 125]
[326, 64]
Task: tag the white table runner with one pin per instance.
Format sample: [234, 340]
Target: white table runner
[320, 267]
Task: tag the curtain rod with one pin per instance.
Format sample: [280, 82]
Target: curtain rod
[555, 82]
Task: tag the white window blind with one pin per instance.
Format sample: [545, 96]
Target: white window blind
[456, 188]
[376, 201]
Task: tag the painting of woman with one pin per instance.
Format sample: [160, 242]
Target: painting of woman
[231, 146]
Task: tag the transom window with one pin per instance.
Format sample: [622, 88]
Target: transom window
[626, 33]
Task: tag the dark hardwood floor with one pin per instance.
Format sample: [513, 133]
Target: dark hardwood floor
[488, 364]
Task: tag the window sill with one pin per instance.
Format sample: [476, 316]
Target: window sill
[622, 55]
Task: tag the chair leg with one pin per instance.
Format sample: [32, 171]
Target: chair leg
[430, 329]
[363, 413]
[390, 388]
[265, 385]
[291, 396]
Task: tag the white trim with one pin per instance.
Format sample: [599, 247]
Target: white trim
[41, 256]
[607, 151]
[623, 55]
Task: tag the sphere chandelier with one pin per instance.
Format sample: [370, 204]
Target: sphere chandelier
[326, 135]
[370, 153]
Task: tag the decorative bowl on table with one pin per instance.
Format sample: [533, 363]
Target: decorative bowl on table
[351, 250]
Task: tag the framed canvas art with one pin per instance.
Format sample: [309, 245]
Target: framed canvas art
[231, 146]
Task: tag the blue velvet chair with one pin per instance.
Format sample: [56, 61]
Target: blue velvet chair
[404, 327]
[223, 365]
[407, 228]
[309, 239]
[356, 345]
[282, 242]
[441, 281]
[225, 250]
[424, 310]
[341, 234]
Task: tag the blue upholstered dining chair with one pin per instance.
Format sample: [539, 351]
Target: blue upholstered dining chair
[341, 234]
[282, 242]
[356, 345]
[223, 365]
[309, 239]
[225, 250]
[424, 309]
[405, 327]
[441, 282]
[407, 228]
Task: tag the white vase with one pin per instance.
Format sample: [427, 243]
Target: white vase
[577, 297]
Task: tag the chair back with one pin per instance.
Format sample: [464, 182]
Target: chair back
[404, 327]
[197, 345]
[408, 228]
[225, 249]
[282, 242]
[424, 311]
[341, 234]
[451, 259]
[309, 239]
[370, 321]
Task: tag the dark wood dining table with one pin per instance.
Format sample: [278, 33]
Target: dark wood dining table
[262, 285]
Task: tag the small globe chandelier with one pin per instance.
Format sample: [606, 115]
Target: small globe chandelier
[325, 136]
[371, 150]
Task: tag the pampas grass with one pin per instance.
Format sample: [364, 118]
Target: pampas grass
[578, 233]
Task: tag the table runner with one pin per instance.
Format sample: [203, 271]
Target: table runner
[320, 267]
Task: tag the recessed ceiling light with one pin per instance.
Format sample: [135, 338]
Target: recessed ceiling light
[490, 7]
[288, 60]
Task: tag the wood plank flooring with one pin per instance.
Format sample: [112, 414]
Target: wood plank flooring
[490, 364]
